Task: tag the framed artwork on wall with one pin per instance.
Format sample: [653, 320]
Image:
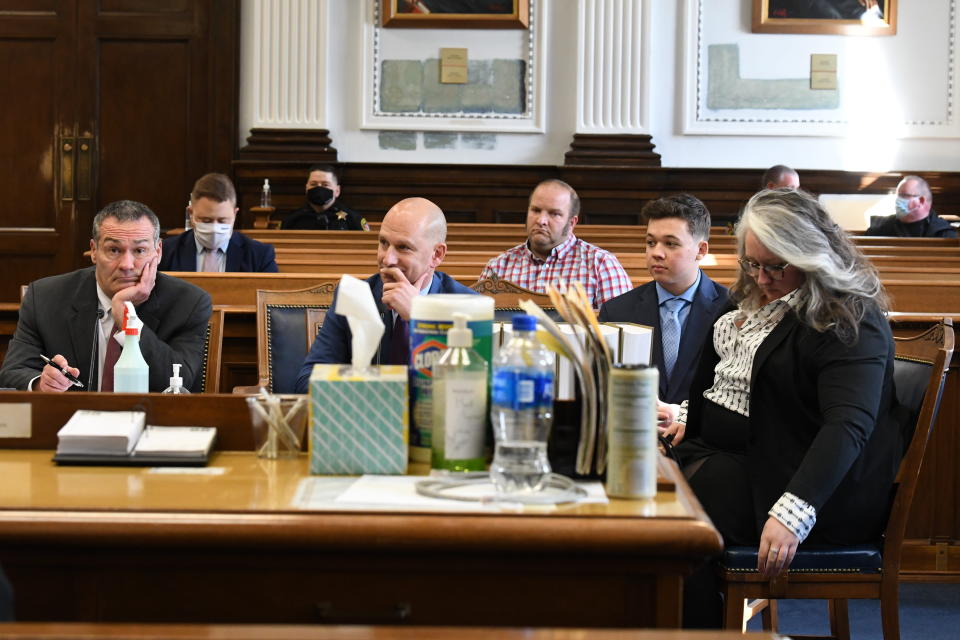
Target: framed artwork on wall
[836, 17]
[456, 14]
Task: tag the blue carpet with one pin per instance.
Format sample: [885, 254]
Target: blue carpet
[927, 612]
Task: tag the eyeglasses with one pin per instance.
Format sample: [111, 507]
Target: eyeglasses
[751, 268]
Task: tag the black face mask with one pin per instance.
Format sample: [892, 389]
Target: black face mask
[319, 195]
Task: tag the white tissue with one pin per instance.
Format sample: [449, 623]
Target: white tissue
[355, 301]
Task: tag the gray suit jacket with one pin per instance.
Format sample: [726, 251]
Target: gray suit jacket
[58, 315]
[642, 307]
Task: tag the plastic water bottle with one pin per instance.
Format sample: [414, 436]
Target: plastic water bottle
[521, 410]
[186, 213]
[176, 382]
[131, 373]
[265, 193]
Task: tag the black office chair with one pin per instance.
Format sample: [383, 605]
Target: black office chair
[865, 571]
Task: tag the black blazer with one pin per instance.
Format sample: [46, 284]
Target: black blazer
[933, 226]
[58, 315]
[641, 306]
[822, 425]
[243, 254]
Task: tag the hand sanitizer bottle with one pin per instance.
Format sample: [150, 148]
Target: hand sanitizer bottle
[176, 382]
[459, 402]
[265, 193]
[131, 373]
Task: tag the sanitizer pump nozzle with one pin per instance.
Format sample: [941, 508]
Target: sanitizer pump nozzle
[176, 382]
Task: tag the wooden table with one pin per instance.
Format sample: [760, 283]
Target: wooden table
[131, 545]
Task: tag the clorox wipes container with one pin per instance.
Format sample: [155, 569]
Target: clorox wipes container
[430, 318]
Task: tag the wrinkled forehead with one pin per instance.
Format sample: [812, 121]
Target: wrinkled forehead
[131, 232]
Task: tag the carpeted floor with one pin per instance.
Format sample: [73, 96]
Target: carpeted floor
[927, 612]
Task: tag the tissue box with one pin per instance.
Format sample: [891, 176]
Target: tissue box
[358, 423]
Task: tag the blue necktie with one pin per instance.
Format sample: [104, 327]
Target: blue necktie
[670, 331]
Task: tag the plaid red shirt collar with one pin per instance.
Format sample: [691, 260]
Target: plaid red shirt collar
[556, 253]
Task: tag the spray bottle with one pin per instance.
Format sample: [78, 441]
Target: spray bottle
[131, 373]
[176, 382]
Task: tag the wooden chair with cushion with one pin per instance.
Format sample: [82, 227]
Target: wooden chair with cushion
[287, 323]
[212, 350]
[837, 574]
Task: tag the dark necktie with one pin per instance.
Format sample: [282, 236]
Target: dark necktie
[109, 360]
[399, 342]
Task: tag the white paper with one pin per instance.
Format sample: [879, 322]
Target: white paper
[175, 441]
[100, 432]
[566, 376]
[636, 341]
[15, 420]
[397, 493]
[355, 301]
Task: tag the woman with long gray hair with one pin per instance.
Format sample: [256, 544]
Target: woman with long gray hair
[789, 434]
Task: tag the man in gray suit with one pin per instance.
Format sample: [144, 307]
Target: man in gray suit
[681, 302]
[71, 317]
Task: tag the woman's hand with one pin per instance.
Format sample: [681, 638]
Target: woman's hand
[667, 424]
[778, 545]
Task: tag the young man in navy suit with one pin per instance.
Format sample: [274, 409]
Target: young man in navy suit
[681, 302]
[211, 244]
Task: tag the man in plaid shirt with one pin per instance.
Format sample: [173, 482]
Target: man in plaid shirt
[553, 255]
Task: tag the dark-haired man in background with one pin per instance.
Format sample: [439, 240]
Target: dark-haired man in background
[323, 211]
[780, 176]
[681, 302]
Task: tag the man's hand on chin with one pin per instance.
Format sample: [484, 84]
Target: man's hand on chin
[137, 293]
[398, 292]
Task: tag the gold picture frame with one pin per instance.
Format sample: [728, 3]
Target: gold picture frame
[771, 16]
[431, 14]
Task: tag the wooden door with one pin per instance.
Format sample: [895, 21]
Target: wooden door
[107, 100]
[37, 41]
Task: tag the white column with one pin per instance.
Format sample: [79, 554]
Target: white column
[283, 64]
[613, 66]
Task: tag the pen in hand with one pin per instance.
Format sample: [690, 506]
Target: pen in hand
[72, 378]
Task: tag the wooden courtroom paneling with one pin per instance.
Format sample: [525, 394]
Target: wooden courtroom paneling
[126, 99]
[498, 193]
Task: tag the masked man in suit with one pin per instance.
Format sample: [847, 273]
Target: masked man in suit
[412, 245]
[212, 245]
[681, 302]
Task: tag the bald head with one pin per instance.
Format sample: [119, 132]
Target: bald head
[420, 215]
[413, 238]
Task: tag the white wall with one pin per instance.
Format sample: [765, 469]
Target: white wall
[917, 68]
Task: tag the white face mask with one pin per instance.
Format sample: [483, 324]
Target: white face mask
[212, 235]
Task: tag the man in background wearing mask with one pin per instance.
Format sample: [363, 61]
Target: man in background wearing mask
[323, 211]
[211, 244]
[914, 217]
